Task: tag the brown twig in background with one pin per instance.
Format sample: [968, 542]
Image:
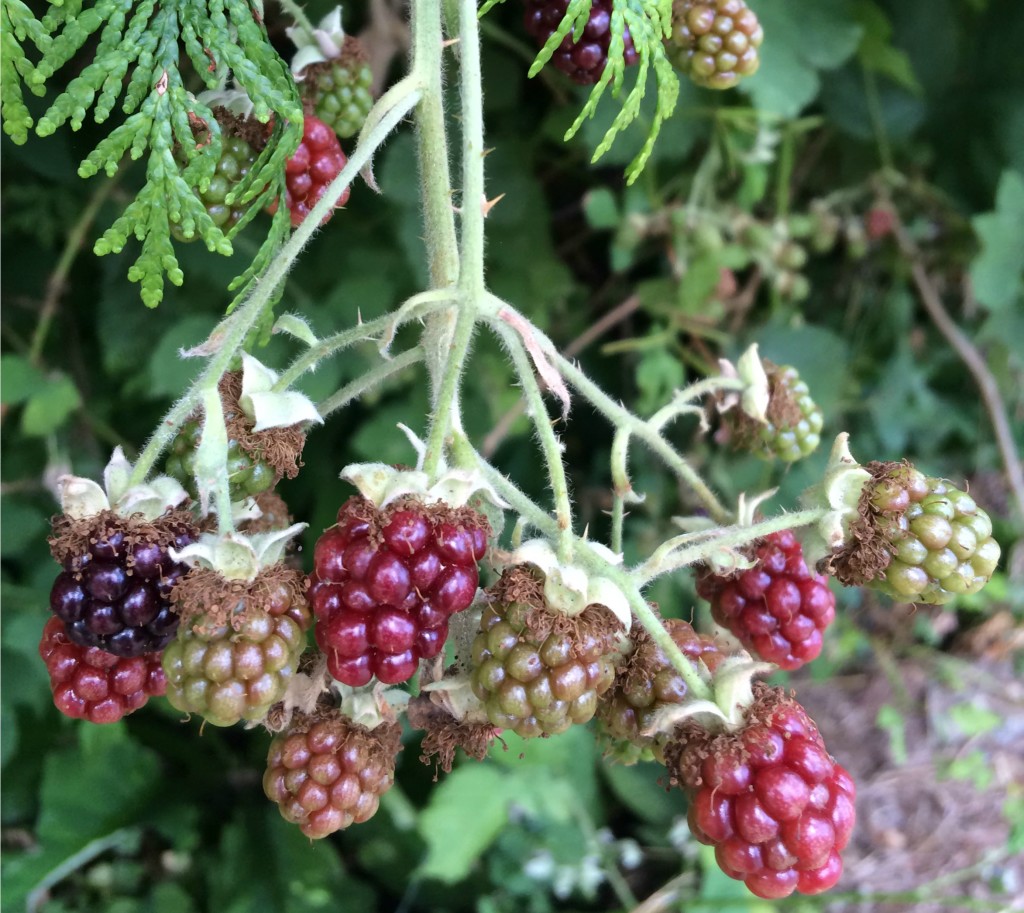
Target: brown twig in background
[616, 315]
[974, 361]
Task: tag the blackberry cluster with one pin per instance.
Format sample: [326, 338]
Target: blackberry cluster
[582, 59]
[91, 684]
[386, 582]
[339, 89]
[646, 683]
[538, 672]
[329, 774]
[114, 593]
[315, 163]
[236, 668]
[714, 42]
[940, 541]
[778, 609]
[773, 803]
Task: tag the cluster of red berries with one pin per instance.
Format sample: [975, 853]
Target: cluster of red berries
[769, 798]
[778, 608]
[385, 583]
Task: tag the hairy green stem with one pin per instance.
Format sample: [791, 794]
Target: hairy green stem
[370, 379]
[231, 333]
[668, 559]
[471, 249]
[683, 399]
[298, 14]
[549, 444]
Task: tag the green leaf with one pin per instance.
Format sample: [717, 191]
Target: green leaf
[24, 525]
[998, 271]
[601, 208]
[890, 720]
[49, 407]
[169, 373]
[658, 374]
[637, 787]
[464, 815]
[973, 720]
[19, 379]
[876, 52]
[801, 38]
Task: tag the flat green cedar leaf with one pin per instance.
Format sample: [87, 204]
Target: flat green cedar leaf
[998, 271]
[49, 407]
[801, 37]
[19, 378]
[465, 814]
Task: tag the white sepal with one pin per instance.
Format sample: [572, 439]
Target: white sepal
[235, 100]
[840, 491]
[296, 326]
[569, 588]
[382, 484]
[370, 706]
[269, 408]
[455, 694]
[81, 498]
[754, 400]
[236, 556]
[324, 43]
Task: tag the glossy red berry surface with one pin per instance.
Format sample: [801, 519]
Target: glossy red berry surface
[331, 774]
[315, 163]
[385, 584]
[581, 57]
[779, 609]
[91, 684]
[116, 594]
[773, 803]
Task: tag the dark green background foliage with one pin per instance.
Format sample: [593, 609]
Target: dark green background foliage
[153, 815]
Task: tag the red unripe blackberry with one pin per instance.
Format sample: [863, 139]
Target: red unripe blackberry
[778, 609]
[91, 684]
[769, 798]
[645, 683]
[537, 671]
[715, 42]
[114, 591]
[315, 163]
[235, 667]
[329, 774]
[582, 59]
[385, 583]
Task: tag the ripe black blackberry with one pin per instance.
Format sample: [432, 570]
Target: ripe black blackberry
[114, 590]
[582, 58]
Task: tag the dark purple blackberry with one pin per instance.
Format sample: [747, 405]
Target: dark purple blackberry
[115, 595]
[582, 59]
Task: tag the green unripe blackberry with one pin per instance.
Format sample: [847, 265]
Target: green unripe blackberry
[792, 429]
[256, 460]
[339, 89]
[825, 226]
[537, 671]
[234, 661]
[241, 141]
[247, 476]
[939, 540]
[714, 42]
[645, 684]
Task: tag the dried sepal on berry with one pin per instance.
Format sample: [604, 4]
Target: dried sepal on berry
[327, 772]
[538, 670]
[266, 431]
[914, 538]
[767, 796]
[774, 417]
